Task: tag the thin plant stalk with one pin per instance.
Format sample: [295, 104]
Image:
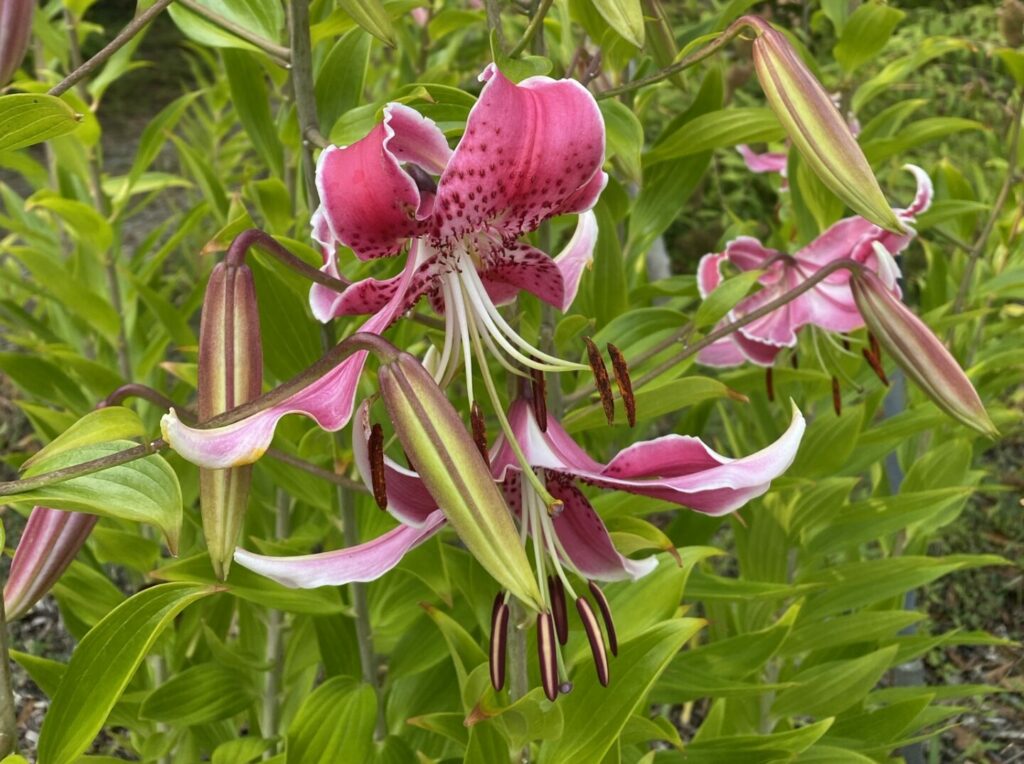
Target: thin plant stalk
[133, 27]
[8, 720]
[270, 719]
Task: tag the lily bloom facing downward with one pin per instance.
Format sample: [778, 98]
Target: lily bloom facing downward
[570, 543]
[530, 152]
[829, 304]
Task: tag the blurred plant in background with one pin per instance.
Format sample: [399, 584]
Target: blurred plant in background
[141, 147]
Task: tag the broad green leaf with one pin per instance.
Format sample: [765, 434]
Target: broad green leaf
[624, 16]
[85, 222]
[28, 118]
[253, 587]
[625, 136]
[206, 692]
[864, 626]
[750, 749]
[102, 665]
[242, 751]
[106, 424]
[917, 133]
[901, 68]
[251, 101]
[724, 298]
[334, 724]
[718, 129]
[142, 491]
[339, 83]
[607, 278]
[263, 19]
[654, 400]
[594, 717]
[371, 16]
[829, 688]
[865, 33]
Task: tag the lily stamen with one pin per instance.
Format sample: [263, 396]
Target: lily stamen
[601, 379]
[375, 446]
[621, 369]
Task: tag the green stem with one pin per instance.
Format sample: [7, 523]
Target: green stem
[8, 720]
[271, 717]
[135, 26]
[532, 28]
[681, 65]
[305, 98]
[979, 245]
[360, 606]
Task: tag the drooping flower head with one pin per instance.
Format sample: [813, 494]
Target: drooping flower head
[828, 305]
[570, 544]
[530, 152]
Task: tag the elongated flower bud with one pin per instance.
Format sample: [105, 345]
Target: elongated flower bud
[230, 374]
[919, 352]
[816, 127]
[15, 31]
[455, 474]
[49, 543]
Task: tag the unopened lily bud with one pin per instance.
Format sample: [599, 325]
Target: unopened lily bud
[230, 374]
[15, 31]
[816, 127]
[456, 475]
[917, 351]
[51, 540]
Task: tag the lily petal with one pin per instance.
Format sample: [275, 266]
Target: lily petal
[328, 401]
[408, 499]
[363, 562]
[585, 538]
[554, 280]
[372, 295]
[679, 469]
[530, 151]
[368, 201]
[769, 161]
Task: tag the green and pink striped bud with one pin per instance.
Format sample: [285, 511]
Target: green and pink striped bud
[815, 126]
[15, 32]
[51, 540]
[230, 374]
[917, 351]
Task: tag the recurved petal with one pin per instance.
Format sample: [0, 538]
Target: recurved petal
[586, 540]
[721, 354]
[363, 562]
[530, 151]
[329, 401]
[551, 449]
[368, 201]
[769, 161]
[554, 280]
[408, 498]
[685, 471]
[371, 295]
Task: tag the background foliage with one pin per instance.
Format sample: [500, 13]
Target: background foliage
[811, 643]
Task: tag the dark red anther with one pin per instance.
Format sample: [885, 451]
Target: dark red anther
[876, 349]
[540, 398]
[606, 613]
[558, 609]
[476, 418]
[593, 630]
[837, 396]
[876, 366]
[376, 448]
[547, 656]
[769, 384]
[622, 379]
[793, 360]
[601, 381]
[499, 641]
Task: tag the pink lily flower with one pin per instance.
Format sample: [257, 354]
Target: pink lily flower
[829, 305]
[679, 469]
[530, 152]
[570, 539]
